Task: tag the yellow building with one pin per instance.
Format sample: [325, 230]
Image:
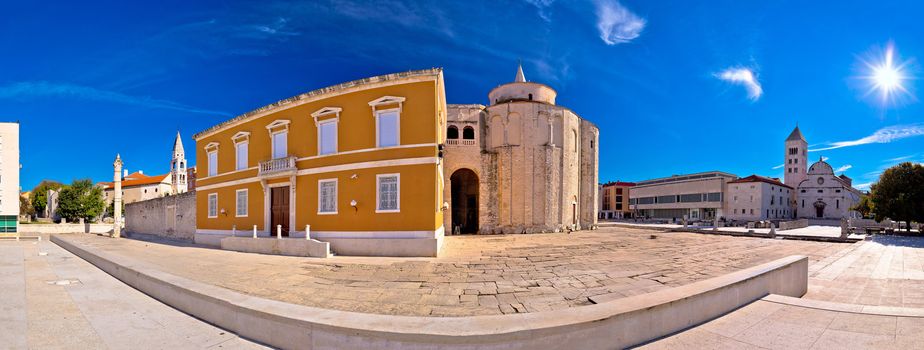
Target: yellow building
[359, 162]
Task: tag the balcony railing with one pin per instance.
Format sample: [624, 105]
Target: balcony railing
[462, 142]
[278, 165]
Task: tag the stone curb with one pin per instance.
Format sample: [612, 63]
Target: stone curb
[615, 324]
[849, 308]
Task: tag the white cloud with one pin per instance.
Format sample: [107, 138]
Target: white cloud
[779, 166]
[49, 89]
[898, 159]
[744, 77]
[843, 168]
[824, 159]
[863, 186]
[542, 7]
[618, 25]
[884, 135]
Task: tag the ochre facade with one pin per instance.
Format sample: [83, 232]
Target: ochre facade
[386, 197]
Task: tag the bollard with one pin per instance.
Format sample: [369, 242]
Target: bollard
[278, 231]
[254, 231]
[233, 230]
[308, 232]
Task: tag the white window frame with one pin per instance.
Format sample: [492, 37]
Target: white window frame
[237, 154]
[210, 208]
[378, 187]
[213, 168]
[397, 111]
[237, 207]
[336, 122]
[336, 190]
[273, 142]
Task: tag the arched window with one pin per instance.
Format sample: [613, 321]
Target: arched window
[452, 133]
[468, 133]
[530, 97]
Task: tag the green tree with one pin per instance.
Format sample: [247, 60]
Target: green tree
[899, 194]
[25, 206]
[864, 207]
[81, 200]
[40, 194]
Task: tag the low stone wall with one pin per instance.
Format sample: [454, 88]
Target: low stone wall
[285, 246]
[794, 224]
[65, 228]
[610, 324]
[170, 216]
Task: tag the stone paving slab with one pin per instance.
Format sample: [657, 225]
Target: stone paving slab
[475, 275]
[55, 300]
[769, 325]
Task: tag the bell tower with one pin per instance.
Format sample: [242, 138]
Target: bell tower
[796, 158]
[178, 167]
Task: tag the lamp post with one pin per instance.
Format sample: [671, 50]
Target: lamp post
[117, 197]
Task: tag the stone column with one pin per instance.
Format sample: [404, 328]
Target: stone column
[117, 198]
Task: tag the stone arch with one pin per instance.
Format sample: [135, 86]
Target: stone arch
[452, 132]
[468, 133]
[464, 194]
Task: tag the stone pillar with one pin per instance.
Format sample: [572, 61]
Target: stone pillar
[117, 198]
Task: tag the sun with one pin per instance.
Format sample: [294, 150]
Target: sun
[887, 77]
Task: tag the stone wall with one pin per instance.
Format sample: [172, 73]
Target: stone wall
[794, 224]
[169, 216]
[66, 228]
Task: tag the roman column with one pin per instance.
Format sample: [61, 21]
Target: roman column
[117, 197]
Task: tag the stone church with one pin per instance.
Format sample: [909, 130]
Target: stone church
[520, 164]
[819, 192]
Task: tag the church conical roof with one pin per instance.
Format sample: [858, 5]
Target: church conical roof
[795, 135]
[520, 77]
[178, 144]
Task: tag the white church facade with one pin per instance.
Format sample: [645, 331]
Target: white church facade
[138, 187]
[819, 192]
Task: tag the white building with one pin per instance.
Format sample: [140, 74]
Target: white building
[9, 177]
[140, 187]
[695, 196]
[756, 198]
[824, 195]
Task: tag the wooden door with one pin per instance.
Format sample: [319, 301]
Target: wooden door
[279, 207]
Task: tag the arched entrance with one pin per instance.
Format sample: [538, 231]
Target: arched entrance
[820, 209]
[464, 186]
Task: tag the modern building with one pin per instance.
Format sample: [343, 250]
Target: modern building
[756, 198]
[140, 187]
[825, 195]
[359, 162]
[520, 164]
[698, 196]
[614, 200]
[9, 177]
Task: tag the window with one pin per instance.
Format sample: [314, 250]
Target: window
[468, 133]
[327, 196]
[240, 153]
[280, 144]
[241, 204]
[388, 193]
[327, 137]
[213, 163]
[387, 128]
[213, 205]
[452, 133]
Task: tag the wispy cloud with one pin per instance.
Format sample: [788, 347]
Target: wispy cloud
[824, 159]
[542, 7]
[898, 159]
[843, 168]
[778, 166]
[618, 25]
[29, 89]
[884, 135]
[744, 77]
[863, 186]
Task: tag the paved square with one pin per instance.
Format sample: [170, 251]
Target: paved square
[476, 275]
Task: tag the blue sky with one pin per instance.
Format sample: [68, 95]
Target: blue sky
[675, 86]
